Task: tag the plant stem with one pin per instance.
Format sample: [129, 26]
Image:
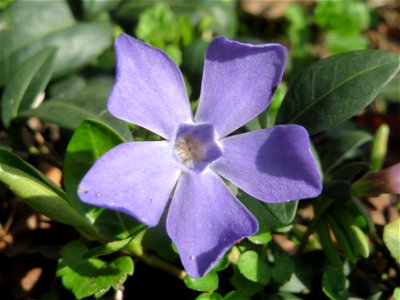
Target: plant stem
[322, 208]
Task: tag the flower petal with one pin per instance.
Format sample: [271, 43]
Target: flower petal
[149, 89]
[134, 178]
[238, 82]
[273, 165]
[205, 220]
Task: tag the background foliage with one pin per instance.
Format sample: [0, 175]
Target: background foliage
[57, 67]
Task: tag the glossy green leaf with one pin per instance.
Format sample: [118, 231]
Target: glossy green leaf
[44, 197]
[333, 90]
[30, 26]
[209, 296]
[29, 80]
[91, 140]
[335, 284]
[87, 277]
[391, 237]
[208, 282]
[251, 267]
[236, 295]
[107, 248]
[349, 171]
[70, 109]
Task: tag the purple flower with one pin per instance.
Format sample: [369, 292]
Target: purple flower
[204, 218]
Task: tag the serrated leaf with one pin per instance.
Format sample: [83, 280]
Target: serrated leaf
[208, 282]
[30, 26]
[91, 140]
[70, 109]
[252, 268]
[391, 237]
[332, 90]
[44, 197]
[87, 277]
[29, 80]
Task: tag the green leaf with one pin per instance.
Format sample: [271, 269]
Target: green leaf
[44, 197]
[350, 171]
[391, 237]
[208, 296]
[333, 90]
[24, 35]
[327, 245]
[208, 282]
[283, 267]
[391, 91]
[341, 238]
[341, 147]
[91, 140]
[253, 268]
[236, 295]
[107, 248]
[284, 212]
[396, 293]
[87, 277]
[354, 234]
[335, 284]
[243, 285]
[70, 109]
[29, 80]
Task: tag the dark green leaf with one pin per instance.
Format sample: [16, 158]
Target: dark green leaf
[349, 171]
[253, 268]
[341, 238]
[327, 245]
[91, 140]
[70, 109]
[284, 212]
[236, 295]
[335, 284]
[391, 237]
[29, 80]
[208, 282]
[107, 248]
[30, 26]
[391, 91]
[243, 285]
[32, 187]
[332, 90]
[87, 277]
[341, 147]
[283, 267]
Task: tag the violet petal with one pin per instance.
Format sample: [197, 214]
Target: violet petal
[149, 89]
[205, 220]
[238, 82]
[273, 165]
[134, 178]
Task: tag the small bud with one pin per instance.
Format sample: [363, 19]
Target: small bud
[386, 181]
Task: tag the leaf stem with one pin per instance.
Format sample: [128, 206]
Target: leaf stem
[311, 228]
[135, 248]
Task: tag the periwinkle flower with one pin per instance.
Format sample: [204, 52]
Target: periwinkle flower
[204, 218]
